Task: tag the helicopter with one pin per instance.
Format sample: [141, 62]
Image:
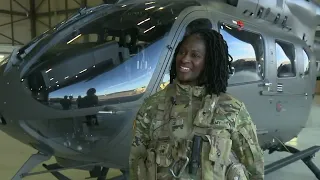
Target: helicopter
[72, 93]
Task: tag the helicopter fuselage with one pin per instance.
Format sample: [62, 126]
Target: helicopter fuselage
[74, 91]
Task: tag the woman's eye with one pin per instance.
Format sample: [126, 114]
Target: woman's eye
[195, 55]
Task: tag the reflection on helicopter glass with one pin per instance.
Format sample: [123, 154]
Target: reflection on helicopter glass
[306, 63]
[108, 61]
[246, 49]
[116, 55]
[285, 54]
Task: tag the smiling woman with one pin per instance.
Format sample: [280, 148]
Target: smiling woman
[190, 60]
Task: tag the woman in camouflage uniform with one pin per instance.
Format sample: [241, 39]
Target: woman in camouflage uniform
[193, 129]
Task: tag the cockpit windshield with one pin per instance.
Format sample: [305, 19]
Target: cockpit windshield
[31, 48]
[115, 53]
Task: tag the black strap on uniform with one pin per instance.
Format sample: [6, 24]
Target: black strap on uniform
[195, 160]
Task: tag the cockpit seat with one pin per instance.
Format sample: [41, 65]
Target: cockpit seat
[124, 54]
[107, 51]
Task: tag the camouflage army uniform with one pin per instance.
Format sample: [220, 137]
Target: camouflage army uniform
[164, 130]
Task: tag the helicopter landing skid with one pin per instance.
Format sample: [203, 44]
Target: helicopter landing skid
[32, 162]
[305, 155]
[101, 174]
[54, 169]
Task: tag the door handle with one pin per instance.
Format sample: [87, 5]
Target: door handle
[265, 84]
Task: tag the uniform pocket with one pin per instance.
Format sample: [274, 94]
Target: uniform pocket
[151, 165]
[141, 170]
[215, 157]
[160, 112]
[220, 149]
[164, 154]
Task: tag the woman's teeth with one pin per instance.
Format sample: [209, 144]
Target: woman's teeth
[184, 69]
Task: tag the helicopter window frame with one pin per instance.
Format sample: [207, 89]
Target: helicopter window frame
[260, 72]
[294, 63]
[306, 72]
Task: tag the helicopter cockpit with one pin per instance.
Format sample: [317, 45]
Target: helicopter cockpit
[128, 39]
[103, 59]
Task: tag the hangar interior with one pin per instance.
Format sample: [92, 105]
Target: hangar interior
[23, 20]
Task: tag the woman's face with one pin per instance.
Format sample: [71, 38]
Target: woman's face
[190, 60]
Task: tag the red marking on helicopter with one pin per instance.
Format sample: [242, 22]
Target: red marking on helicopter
[278, 106]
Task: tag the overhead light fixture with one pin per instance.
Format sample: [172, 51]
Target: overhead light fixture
[149, 29]
[152, 2]
[48, 70]
[143, 21]
[83, 71]
[149, 8]
[73, 39]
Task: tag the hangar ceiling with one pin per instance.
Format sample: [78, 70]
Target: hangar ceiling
[22, 20]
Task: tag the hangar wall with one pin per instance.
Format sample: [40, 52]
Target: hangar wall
[51, 12]
[21, 20]
[20, 32]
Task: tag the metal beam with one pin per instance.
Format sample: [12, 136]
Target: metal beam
[33, 19]
[15, 13]
[11, 19]
[49, 11]
[39, 5]
[66, 8]
[20, 43]
[27, 10]
[4, 24]
[43, 23]
[59, 12]
[84, 3]
[77, 2]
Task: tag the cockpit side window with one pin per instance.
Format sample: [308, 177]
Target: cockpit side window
[247, 50]
[285, 56]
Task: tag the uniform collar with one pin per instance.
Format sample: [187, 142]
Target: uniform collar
[181, 89]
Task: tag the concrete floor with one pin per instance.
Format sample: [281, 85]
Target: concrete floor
[13, 154]
[308, 137]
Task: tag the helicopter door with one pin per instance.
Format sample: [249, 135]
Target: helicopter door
[288, 88]
[247, 49]
[288, 82]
